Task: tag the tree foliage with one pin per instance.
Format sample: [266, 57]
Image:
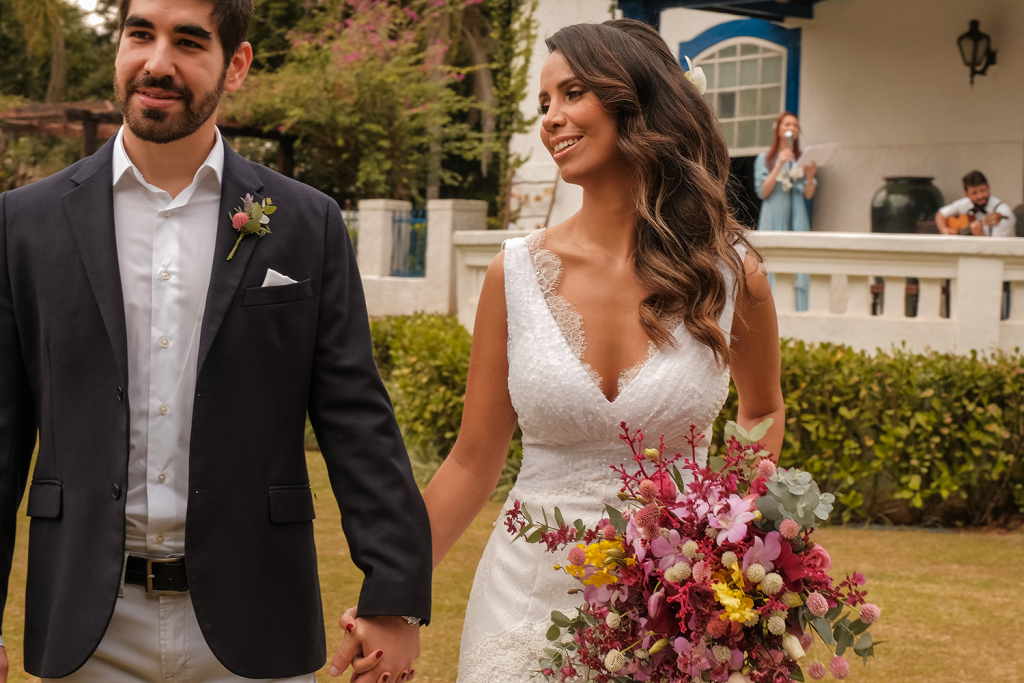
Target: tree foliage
[362, 90]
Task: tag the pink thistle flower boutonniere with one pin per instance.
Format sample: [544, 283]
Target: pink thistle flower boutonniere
[251, 219]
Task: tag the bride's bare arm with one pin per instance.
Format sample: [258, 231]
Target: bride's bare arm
[756, 364]
[467, 478]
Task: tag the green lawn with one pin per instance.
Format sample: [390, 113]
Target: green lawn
[951, 602]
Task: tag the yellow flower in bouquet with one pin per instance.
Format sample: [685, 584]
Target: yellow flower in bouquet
[737, 605]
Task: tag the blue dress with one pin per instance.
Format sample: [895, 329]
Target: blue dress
[783, 210]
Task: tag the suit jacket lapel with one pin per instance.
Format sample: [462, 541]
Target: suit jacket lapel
[89, 209]
[238, 179]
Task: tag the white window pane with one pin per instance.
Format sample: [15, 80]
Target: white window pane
[727, 52]
[748, 49]
[771, 100]
[709, 97]
[727, 105]
[729, 133]
[765, 131]
[748, 71]
[771, 70]
[709, 72]
[747, 134]
[727, 74]
[748, 102]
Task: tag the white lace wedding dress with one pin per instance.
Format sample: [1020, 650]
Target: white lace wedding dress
[570, 437]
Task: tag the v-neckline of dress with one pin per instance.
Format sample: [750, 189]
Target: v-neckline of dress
[548, 269]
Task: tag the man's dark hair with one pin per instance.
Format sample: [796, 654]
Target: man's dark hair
[974, 179]
[232, 17]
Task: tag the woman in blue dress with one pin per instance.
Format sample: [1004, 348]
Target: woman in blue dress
[783, 190]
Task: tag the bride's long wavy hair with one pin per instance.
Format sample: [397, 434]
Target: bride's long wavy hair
[669, 138]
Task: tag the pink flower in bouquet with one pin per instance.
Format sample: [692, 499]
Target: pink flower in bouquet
[790, 528]
[647, 517]
[839, 667]
[763, 552]
[869, 613]
[732, 521]
[577, 556]
[766, 469]
[816, 670]
[239, 219]
[669, 551]
[649, 490]
[690, 660]
[666, 487]
[817, 559]
[817, 603]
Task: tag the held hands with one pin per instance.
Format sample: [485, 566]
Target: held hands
[379, 649]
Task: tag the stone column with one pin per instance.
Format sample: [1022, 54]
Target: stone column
[445, 216]
[375, 218]
[977, 298]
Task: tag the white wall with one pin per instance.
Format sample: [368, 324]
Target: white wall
[535, 179]
[883, 79]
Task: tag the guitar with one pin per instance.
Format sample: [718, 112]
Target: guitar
[960, 224]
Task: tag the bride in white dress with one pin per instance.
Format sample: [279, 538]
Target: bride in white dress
[635, 309]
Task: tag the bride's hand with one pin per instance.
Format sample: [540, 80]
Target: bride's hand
[351, 647]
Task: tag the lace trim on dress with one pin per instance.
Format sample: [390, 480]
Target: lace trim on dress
[549, 271]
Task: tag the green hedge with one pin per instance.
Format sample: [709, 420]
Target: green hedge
[898, 437]
[905, 437]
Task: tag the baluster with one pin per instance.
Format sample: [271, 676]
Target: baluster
[785, 292]
[858, 295]
[821, 287]
[1017, 301]
[894, 304]
[928, 298]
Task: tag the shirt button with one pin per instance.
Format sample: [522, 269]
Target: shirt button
[160, 538]
[166, 275]
[115, 491]
[162, 478]
[165, 343]
[167, 214]
[163, 410]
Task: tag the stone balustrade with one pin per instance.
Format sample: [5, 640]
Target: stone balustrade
[842, 268]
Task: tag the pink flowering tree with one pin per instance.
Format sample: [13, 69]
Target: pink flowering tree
[366, 88]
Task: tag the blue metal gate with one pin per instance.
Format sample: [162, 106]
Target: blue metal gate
[409, 244]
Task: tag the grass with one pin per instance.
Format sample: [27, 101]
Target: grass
[951, 602]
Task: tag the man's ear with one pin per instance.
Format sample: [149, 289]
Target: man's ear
[238, 67]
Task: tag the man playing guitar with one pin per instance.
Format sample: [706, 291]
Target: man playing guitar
[977, 213]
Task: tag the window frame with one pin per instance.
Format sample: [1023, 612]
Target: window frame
[706, 55]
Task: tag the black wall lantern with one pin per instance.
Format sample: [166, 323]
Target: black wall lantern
[976, 51]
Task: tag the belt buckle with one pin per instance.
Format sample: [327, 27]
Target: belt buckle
[150, 576]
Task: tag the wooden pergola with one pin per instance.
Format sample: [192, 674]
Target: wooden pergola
[94, 122]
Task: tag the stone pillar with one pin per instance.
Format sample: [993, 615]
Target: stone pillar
[375, 218]
[977, 299]
[445, 216]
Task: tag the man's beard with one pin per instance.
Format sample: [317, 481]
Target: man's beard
[162, 127]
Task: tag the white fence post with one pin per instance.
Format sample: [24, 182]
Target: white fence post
[375, 226]
[976, 307]
[444, 217]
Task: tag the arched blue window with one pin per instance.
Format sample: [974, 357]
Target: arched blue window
[753, 71]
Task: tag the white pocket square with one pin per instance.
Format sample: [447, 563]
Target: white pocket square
[274, 279]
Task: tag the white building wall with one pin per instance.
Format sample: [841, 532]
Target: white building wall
[882, 79]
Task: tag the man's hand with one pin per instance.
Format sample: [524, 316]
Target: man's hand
[3, 664]
[379, 649]
[992, 218]
[976, 229]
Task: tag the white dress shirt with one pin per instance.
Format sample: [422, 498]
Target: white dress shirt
[165, 251]
[1005, 226]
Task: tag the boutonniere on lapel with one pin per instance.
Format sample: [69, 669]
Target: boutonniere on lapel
[251, 219]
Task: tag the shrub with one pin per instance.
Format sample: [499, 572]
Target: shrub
[898, 437]
[905, 437]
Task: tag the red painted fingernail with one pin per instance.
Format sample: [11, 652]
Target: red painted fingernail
[351, 628]
[386, 678]
[380, 653]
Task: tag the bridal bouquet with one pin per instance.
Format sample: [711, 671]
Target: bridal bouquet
[703, 574]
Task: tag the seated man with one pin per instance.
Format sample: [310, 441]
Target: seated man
[977, 213]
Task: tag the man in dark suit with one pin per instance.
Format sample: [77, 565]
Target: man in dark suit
[171, 534]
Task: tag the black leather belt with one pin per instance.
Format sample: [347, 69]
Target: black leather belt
[159, 575]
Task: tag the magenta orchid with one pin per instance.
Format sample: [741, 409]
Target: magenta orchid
[764, 552]
[732, 520]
